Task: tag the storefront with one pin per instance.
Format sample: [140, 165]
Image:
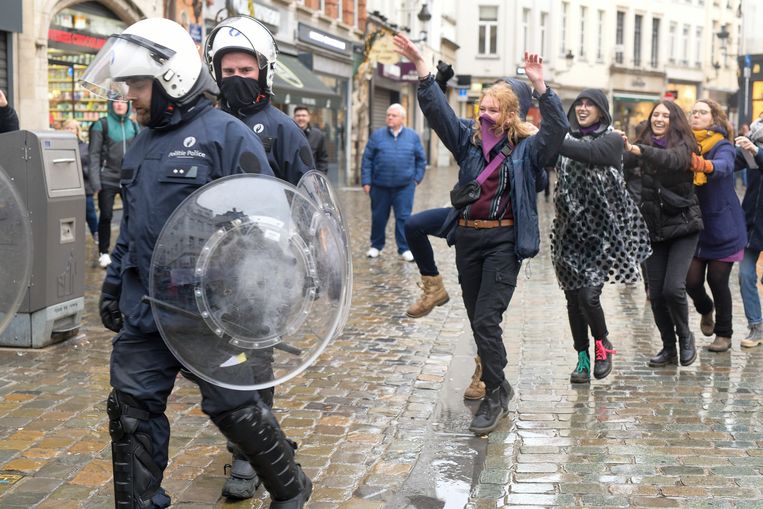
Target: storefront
[329, 59]
[629, 109]
[75, 36]
[685, 93]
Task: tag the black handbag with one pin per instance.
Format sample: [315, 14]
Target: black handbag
[461, 196]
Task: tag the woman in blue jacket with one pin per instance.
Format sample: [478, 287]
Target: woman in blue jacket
[499, 228]
[722, 241]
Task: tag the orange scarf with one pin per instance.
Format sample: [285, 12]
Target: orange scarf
[706, 139]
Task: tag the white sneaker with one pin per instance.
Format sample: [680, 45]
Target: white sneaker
[373, 253]
[407, 256]
[104, 260]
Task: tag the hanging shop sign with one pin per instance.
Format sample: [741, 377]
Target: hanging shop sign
[325, 40]
[76, 39]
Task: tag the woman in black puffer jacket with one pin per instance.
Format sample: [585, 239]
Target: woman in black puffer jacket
[662, 155]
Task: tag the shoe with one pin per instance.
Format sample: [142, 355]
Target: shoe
[687, 350]
[104, 260]
[754, 337]
[603, 361]
[242, 482]
[434, 294]
[299, 501]
[707, 324]
[582, 372]
[476, 389]
[407, 256]
[492, 409]
[373, 253]
[720, 344]
[664, 357]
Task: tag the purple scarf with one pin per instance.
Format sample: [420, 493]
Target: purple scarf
[585, 131]
[489, 138]
[660, 142]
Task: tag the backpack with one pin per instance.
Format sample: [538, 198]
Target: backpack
[104, 121]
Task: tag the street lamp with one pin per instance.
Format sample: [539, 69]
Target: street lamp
[424, 15]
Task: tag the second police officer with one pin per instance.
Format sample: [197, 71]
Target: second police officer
[241, 55]
[186, 144]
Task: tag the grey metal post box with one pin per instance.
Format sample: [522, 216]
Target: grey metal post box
[45, 168]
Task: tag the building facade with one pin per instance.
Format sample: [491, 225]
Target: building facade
[637, 53]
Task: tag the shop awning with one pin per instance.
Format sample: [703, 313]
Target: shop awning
[634, 98]
[297, 85]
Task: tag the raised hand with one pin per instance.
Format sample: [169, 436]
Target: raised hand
[534, 71]
[406, 48]
[3, 100]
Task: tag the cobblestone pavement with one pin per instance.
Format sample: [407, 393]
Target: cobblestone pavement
[381, 422]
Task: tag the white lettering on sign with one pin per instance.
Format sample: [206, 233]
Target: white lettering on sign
[329, 41]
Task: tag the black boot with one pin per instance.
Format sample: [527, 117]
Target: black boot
[243, 480]
[666, 356]
[582, 372]
[603, 360]
[687, 349]
[494, 406]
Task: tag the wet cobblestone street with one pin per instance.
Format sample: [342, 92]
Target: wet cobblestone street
[380, 418]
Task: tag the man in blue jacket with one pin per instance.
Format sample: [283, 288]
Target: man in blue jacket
[393, 165]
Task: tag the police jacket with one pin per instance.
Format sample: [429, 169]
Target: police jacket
[393, 161]
[668, 203]
[161, 168]
[287, 148]
[527, 161]
[752, 204]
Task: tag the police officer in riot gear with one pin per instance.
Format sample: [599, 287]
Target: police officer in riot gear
[187, 143]
[241, 54]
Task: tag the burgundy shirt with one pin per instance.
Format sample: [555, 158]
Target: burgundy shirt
[494, 201]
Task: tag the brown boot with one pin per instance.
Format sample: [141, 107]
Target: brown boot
[434, 294]
[720, 344]
[476, 389]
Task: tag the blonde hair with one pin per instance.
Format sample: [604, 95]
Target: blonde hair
[72, 122]
[508, 103]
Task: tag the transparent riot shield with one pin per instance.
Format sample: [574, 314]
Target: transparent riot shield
[249, 281]
[315, 185]
[15, 250]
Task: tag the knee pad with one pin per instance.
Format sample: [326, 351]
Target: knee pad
[255, 432]
[136, 477]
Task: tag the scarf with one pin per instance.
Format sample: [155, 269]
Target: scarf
[585, 131]
[660, 142]
[707, 139]
[241, 96]
[489, 138]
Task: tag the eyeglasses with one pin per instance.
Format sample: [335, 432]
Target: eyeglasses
[699, 112]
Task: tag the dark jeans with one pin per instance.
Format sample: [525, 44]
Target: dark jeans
[584, 310]
[106, 208]
[666, 270]
[143, 367]
[400, 199]
[91, 218]
[418, 228]
[487, 271]
[718, 279]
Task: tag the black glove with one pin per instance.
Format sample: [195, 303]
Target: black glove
[111, 317]
[444, 73]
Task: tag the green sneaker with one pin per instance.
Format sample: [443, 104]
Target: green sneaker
[582, 373]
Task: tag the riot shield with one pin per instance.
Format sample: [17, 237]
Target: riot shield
[15, 250]
[249, 281]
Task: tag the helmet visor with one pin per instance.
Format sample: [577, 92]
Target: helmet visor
[121, 58]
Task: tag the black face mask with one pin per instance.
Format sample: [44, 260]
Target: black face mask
[241, 96]
[161, 107]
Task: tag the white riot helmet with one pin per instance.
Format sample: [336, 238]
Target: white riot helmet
[243, 33]
[155, 48]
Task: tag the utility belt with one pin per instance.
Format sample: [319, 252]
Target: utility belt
[485, 223]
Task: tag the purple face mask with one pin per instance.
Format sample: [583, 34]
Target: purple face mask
[489, 138]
